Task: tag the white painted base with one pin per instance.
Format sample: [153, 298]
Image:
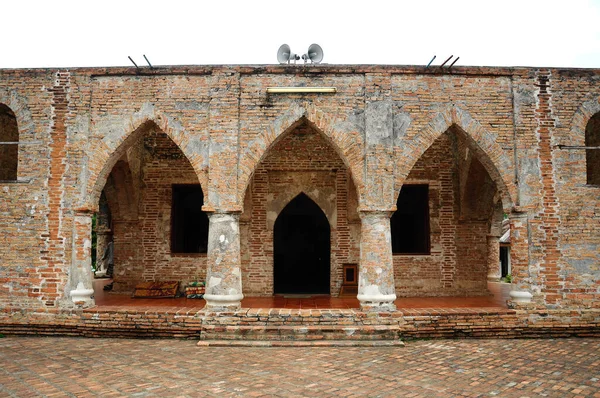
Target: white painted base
[520, 297]
[216, 301]
[81, 295]
[100, 274]
[377, 302]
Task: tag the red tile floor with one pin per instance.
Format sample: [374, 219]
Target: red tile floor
[497, 299]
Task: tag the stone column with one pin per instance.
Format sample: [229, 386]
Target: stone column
[223, 273]
[376, 290]
[80, 278]
[519, 257]
[493, 258]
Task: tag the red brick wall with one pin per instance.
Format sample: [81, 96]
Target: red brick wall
[24, 204]
[570, 216]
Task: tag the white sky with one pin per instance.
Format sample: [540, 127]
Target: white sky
[62, 33]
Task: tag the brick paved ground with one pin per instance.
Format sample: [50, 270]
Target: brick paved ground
[437, 368]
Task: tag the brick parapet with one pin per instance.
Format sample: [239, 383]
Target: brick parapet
[312, 69]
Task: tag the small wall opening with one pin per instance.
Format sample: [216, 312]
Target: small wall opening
[592, 156]
[9, 148]
[301, 248]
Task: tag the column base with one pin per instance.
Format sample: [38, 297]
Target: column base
[82, 297]
[377, 303]
[520, 297]
[218, 302]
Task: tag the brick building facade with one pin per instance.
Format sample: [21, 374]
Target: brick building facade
[457, 150]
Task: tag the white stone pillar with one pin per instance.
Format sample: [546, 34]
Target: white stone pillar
[376, 289]
[80, 279]
[223, 273]
[493, 258]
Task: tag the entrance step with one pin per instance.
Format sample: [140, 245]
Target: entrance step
[297, 333]
[301, 343]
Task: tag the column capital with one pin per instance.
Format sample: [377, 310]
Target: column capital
[518, 212]
[376, 212]
[83, 211]
[211, 210]
[224, 217]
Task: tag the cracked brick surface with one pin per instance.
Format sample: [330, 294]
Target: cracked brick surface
[79, 367]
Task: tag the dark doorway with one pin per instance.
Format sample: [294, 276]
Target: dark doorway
[301, 248]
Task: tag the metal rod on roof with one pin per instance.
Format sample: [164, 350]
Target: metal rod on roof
[450, 57]
[133, 62]
[21, 142]
[149, 64]
[452, 64]
[430, 61]
[577, 147]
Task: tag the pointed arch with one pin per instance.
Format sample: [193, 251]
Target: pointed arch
[108, 149]
[582, 116]
[498, 165]
[14, 107]
[18, 105]
[584, 132]
[306, 197]
[347, 144]
[321, 201]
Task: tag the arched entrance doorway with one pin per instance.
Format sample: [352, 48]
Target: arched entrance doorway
[301, 238]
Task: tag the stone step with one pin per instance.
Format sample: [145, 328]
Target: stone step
[300, 343]
[300, 332]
